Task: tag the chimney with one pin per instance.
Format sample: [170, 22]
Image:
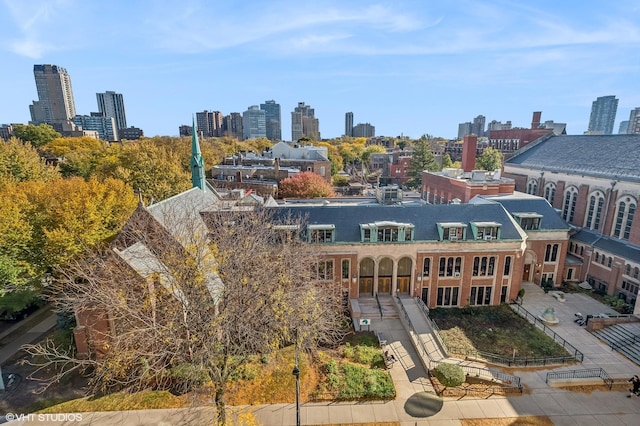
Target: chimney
[469, 148]
[276, 166]
[239, 176]
[535, 121]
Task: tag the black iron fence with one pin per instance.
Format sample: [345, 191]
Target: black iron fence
[575, 353]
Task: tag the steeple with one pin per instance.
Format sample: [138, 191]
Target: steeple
[197, 162]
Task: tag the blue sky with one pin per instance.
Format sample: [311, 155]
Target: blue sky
[407, 67]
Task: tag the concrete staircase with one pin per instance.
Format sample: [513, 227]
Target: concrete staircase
[369, 307]
[621, 339]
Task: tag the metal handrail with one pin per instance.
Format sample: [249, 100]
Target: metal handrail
[379, 306]
[582, 374]
[434, 327]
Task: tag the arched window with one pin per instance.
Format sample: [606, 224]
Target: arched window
[569, 205]
[594, 210]
[532, 187]
[550, 192]
[624, 217]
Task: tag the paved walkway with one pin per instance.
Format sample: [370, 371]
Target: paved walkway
[410, 378]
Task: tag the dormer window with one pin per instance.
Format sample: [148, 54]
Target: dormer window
[386, 231]
[528, 221]
[321, 234]
[452, 231]
[283, 234]
[486, 231]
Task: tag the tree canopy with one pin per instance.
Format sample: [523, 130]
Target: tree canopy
[421, 159]
[21, 162]
[305, 185]
[37, 136]
[490, 159]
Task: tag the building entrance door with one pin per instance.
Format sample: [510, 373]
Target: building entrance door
[366, 286]
[527, 272]
[384, 285]
[403, 285]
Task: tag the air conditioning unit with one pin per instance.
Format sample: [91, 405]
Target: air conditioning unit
[488, 237]
[456, 274]
[453, 238]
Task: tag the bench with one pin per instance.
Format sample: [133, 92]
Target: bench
[559, 295]
[381, 339]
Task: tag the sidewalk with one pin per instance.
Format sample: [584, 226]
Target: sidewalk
[411, 381]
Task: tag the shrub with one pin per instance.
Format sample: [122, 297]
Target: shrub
[450, 375]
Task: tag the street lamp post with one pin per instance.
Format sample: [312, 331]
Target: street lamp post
[296, 372]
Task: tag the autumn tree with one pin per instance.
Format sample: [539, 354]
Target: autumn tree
[81, 156]
[157, 170]
[21, 162]
[337, 164]
[305, 185]
[490, 159]
[37, 136]
[422, 159]
[190, 305]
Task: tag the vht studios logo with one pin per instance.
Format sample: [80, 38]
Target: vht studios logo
[49, 417]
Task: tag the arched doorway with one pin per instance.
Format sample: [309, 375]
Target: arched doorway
[405, 269]
[367, 267]
[385, 275]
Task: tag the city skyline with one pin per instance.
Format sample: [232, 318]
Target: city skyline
[409, 69]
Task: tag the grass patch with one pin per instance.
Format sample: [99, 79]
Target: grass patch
[121, 401]
[493, 329]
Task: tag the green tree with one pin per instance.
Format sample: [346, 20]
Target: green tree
[21, 162]
[422, 159]
[305, 185]
[16, 273]
[446, 162]
[491, 159]
[37, 136]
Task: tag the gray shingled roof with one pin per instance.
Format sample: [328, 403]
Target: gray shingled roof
[606, 156]
[615, 246]
[551, 220]
[347, 219]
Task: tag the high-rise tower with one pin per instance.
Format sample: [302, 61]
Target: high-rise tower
[55, 104]
[273, 120]
[304, 123]
[348, 124]
[603, 115]
[254, 123]
[111, 104]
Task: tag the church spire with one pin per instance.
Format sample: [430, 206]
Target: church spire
[197, 162]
